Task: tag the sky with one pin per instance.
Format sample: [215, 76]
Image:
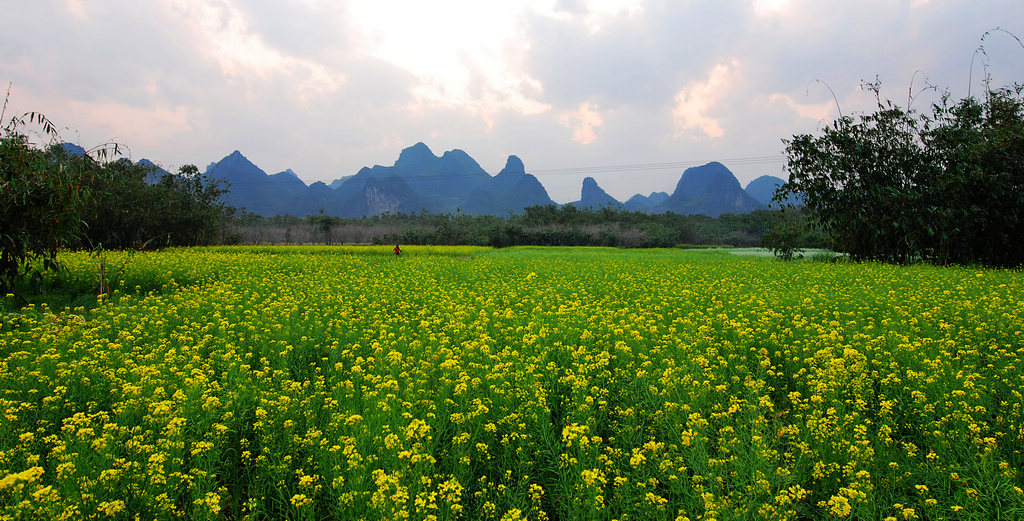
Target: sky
[630, 92]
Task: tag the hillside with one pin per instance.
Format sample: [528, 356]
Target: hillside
[710, 190]
[420, 181]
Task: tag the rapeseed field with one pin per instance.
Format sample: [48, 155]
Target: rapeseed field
[317, 383]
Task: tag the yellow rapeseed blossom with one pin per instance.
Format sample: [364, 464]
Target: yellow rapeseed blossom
[26, 476]
[111, 508]
[520, 383]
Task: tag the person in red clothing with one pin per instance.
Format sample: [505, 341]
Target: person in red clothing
[397, 250]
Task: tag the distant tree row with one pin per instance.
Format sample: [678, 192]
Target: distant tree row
[548, 225]
[899, 186]
[135, 206]
[52, 198]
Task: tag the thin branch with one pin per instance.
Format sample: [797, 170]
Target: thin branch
[981, 49]
[834, 98]
[1001, 30]
[970, 73]
[910, 90]
[6, 99]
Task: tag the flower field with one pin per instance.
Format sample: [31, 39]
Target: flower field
[466, 383]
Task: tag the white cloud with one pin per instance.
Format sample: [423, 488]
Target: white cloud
[463, 53]
[695, 101]
[769, 7]
[469, 55]
[601, 13]
[583, 122]
[595, 15]
[815, 111]
[77, 9]
[222, 29]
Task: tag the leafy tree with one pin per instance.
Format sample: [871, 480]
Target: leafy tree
[859, 181]
[192, 209]
[899, 186]
[54, 198]
[132, 206]
[116, 210]
[41, 200]
[323, 224]
[974, 207]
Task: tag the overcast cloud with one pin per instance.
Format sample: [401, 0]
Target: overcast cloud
[570, 86]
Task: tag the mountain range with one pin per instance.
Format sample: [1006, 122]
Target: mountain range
[420, 181]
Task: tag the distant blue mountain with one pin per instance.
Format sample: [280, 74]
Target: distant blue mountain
[509, 191]
[593, 197]
[642, 203]
[441, 184]
[763, 189]
[419, 181]
[156, 171]
[334, 185]
[251, 188]
[712, 190]
[73, 149]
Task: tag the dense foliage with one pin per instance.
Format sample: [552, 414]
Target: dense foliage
[548, 225]
[787, 234]
[57, 197]
[137, 206]
[895, 185]
[463, 383]
[42, 198]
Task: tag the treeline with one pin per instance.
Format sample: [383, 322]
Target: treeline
[52, 198]
[136, 206]
[549, 225]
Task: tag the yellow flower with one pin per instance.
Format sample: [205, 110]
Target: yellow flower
[27, 476]
[513, 515]
[110, 508]
[536, 491]
[840, 506]
[211, 500]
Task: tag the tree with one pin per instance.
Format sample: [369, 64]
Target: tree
[975, 203]
[784, 235]
[134, 205]
[898, 186]
[192, 211]
[41, 200]
[54, 198]
[323, 224]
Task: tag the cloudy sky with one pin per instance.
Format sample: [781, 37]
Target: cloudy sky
[630, 92]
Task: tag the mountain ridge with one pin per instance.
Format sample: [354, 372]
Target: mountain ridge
[711, 190]
[419, 180]
[593, 197]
